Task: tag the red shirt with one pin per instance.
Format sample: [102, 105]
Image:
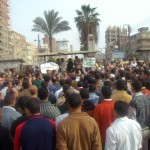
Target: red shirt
[104, 116]
[145, 91]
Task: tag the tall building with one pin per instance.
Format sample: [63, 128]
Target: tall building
[117, 36]
[19, 45]
[140, 42]
[5, 41]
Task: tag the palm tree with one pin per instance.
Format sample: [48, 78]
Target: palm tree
[87, 22]
[51, 25]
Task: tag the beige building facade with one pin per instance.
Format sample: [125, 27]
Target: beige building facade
[19, 45]
[140, 43]
[31, 52]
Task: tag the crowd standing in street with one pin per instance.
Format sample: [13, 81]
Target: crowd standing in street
[102, 107]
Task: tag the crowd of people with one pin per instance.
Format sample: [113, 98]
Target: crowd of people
[77, 108]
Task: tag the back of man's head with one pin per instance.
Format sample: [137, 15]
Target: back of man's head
[137, 85]
[68, 81]
[84, 93]
[120, 84]
[21, 103]
[25, 84]
[33, 106]
[121, 108]
[42, 93]
[108, 83]
[106, 92]
[62, 82]
[92, 88]
[65, 88]
[74, 100]
[9, 99]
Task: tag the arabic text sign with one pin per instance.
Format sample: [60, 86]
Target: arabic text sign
[89, 62]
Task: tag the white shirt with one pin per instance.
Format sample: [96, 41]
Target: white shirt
[3, 91]
[60, 118]
[124, 134]
[57, 92]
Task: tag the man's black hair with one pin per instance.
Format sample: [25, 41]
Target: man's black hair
[73, 77]
[68, 81]
[122, 73]
[5, 84]
[62, 82]
[42, 93]
[9, 98]
[148, 84]
[74, 100]
[137, 85]
[146, 72]
[120, 84]
[44, 84]
[65, 88]
[33, 105]
[38, 74]
[121, 108]
[97, 76]
[91, 81]
[46, 78]
[113, 70]
[128, 76]
[108, 83]
[106, 92]
[25, 84]
[80, 84]
[21, 102]
[143, 82]
[84, 93]
[92, 88]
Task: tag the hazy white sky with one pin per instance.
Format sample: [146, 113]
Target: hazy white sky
[112, 12]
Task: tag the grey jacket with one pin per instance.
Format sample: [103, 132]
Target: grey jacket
[9, 114]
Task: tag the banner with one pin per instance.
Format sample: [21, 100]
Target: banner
[48, 66]
[89, 62]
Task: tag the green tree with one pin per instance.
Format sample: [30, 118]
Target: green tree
[50, 25]
[87, 22]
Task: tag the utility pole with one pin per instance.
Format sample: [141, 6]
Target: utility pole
[118, 42]
[129, 38]
[129, 32]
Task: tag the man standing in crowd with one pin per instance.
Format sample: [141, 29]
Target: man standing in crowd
[139, 110]
[25, 89]
[37, 133]
[124, 133]
[104, 112]
[38, 81]
[121, 94]
[46, 108]
[78, 131]
[9, 114]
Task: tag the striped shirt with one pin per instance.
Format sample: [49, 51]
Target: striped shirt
[49, 110]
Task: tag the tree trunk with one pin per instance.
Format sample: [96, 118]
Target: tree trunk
[50, 44]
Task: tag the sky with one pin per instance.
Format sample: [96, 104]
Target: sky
[112, 12]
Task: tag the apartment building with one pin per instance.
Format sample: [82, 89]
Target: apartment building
[117, 36]
[5, 41]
